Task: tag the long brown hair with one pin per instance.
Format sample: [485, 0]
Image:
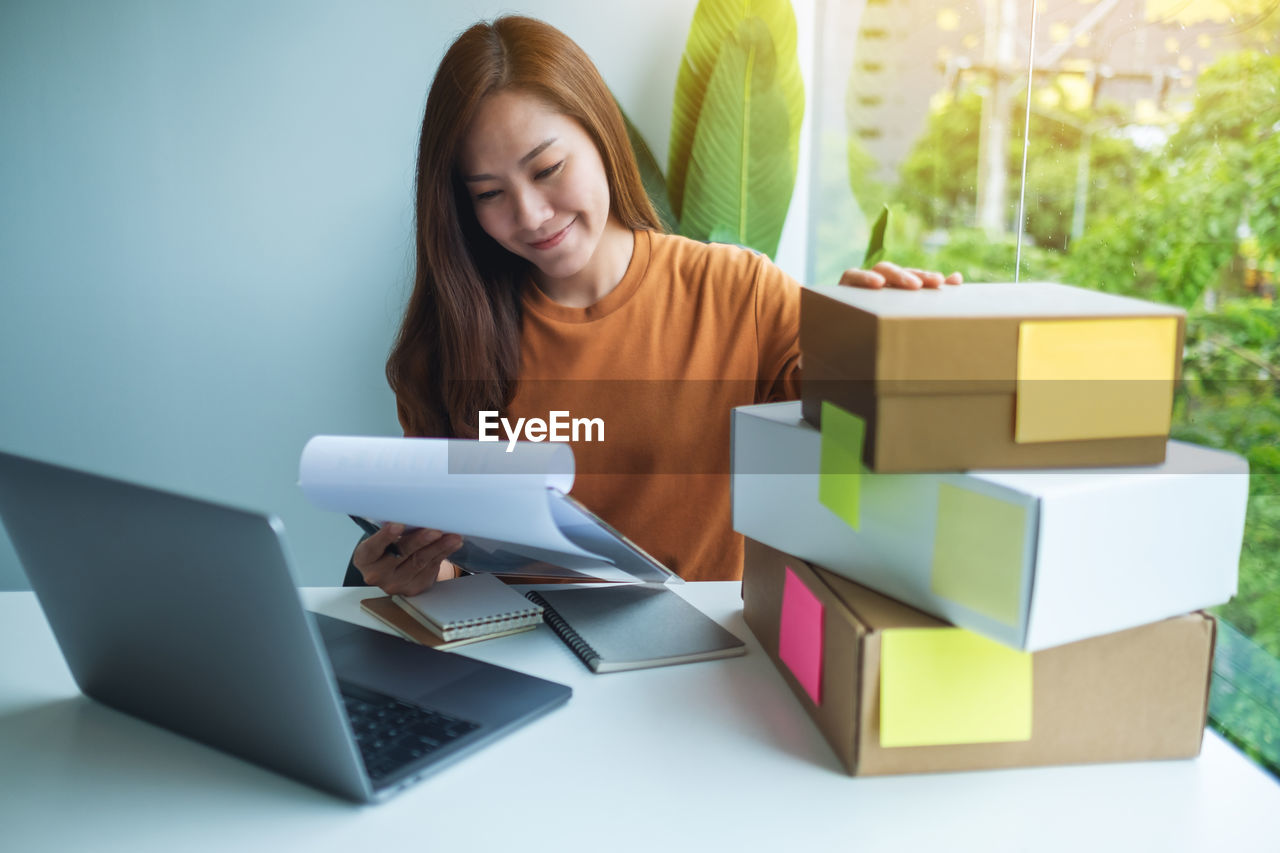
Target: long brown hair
[458, 349]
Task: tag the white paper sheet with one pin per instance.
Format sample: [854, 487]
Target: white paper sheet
[472, 488]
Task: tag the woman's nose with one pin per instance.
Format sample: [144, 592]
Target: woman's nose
[532, 209]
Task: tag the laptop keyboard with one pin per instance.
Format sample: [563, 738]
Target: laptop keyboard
[392, 734]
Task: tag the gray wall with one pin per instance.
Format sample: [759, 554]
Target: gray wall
[205, 227]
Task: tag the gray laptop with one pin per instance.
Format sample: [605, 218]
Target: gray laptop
[185, 614]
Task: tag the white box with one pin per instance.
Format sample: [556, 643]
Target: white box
[1088, 551]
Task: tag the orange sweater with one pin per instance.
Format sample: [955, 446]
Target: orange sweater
[691, 331]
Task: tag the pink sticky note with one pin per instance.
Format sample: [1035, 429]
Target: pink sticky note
[800, 635]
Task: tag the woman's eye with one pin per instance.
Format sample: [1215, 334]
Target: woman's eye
[487, 195]
[551, 170]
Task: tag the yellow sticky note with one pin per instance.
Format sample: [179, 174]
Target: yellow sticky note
[979, 553]
[840, 467]
[948, 685]
[1086, 379]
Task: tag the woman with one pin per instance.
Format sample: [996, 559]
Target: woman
[544, 283]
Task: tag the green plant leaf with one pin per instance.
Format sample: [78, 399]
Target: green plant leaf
[723, 234]
[875, 245]
[741, 173]
[650, 174]
[714, 23]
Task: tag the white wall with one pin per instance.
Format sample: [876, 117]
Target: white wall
[205, 226]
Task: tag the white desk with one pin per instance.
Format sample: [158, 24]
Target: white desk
[705, 756]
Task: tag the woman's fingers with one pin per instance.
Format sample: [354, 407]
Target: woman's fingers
[418, 568]
[377, 556]
[413, 578]
[379, 571]
[885, 274]
[862, 278]
[371, 550]
[432, 548]
[896, 276]
[428, 575]
[403, 563]
[930, 279]
[888, 274]
[954, 278]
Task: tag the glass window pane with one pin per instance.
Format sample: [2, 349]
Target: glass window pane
[1153, 169]
[1155, 172]
[916, 110]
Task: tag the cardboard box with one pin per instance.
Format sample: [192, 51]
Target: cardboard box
[1135, 695]
[1032, 559]
[994, 375]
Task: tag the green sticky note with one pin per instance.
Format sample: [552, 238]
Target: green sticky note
[949, 686]
[978, 553]
[840, 468]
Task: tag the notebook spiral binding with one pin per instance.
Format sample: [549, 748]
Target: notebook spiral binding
[524, 616]
[564, 630]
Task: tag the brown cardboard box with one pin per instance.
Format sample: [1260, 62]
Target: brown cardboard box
[1135, 695]
[934, 374]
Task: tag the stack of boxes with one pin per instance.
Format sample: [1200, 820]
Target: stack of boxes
[993, 457]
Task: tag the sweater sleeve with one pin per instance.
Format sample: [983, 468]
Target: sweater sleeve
[777, 334]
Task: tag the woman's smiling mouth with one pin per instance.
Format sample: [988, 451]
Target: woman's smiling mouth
[555, 239]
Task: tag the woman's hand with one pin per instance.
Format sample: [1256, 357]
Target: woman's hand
[885, 274]
[406, 564]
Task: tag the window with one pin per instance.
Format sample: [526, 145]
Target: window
[1152, 169]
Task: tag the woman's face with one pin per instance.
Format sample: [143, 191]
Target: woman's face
[536, 181]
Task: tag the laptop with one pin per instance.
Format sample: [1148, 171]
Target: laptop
[185, 614]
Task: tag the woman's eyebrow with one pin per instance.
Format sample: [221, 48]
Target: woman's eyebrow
[538, 149]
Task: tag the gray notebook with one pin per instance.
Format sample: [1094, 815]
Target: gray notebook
[633, 626]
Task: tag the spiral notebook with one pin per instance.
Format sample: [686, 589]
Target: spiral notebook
[617, 628]
[386, 611]
[470, 606]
